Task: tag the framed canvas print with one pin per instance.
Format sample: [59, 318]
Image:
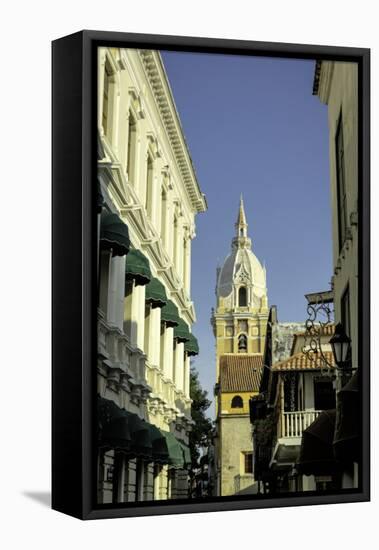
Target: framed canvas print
[210, 275]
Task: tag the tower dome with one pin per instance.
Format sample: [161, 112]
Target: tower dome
[241, 270]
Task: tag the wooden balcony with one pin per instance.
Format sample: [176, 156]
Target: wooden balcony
[292, 424]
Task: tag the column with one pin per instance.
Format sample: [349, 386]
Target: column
[140, 291]
[154, 336]
[187, 370]
[167, 353]
[148, 485]
[163, 493]
[120, 473]
[137, 316]
[179, 366]
[131, 480]
[105, 262]
[115, 309]
[133, 315]
[147, 344]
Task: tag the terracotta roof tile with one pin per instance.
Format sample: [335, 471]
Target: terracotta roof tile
[240, 372]
[300, 361]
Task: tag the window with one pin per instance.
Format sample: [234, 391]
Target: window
[242, 343]
[242, 297]
[149, 185]
[131, 154]
[163, 217]
[341, 184]
[325, 396]
[248, 463]
[175, 245]
[107, 100]
[345, 310]
[237, 402]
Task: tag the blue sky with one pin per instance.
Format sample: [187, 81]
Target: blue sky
[253, 127]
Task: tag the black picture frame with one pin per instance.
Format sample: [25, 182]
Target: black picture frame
[74, 268]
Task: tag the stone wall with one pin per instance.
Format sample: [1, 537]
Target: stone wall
[236, 438]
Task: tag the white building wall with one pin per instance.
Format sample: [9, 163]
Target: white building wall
[133, 370]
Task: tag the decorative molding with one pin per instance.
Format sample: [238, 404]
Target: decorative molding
[158, 81]
[137, 102]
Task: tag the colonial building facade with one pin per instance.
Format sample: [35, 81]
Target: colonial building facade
[148, 199]
[294, 393]
[336, 85]
[239, 324]
[307, 419]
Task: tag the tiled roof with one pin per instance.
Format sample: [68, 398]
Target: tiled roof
[300, 361]
[240, 372]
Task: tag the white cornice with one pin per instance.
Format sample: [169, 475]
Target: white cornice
[157, 78]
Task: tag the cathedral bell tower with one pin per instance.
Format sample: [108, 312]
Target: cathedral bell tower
[239, 324]
[240, 319]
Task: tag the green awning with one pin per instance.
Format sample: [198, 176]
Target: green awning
[99, 198]
[114, 234]
[186, 453]
[137, 267]
[192, 346]
[141, 439]
[156, 293]
[160, 449]
[175, 453]
[113, 426]
[122, 430]
[181, 332]
[170, 314]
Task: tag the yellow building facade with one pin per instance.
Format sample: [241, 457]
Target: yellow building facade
[239, 324]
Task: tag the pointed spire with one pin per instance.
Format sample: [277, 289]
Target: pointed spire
[241, 240]
[241, 214]
[241, 224]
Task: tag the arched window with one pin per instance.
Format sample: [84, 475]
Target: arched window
[237, 402]
[242, 297]
[242, 343]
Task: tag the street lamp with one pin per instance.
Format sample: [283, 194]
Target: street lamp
[341, 344]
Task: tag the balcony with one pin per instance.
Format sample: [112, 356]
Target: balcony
[290, 430]
[292, 424]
